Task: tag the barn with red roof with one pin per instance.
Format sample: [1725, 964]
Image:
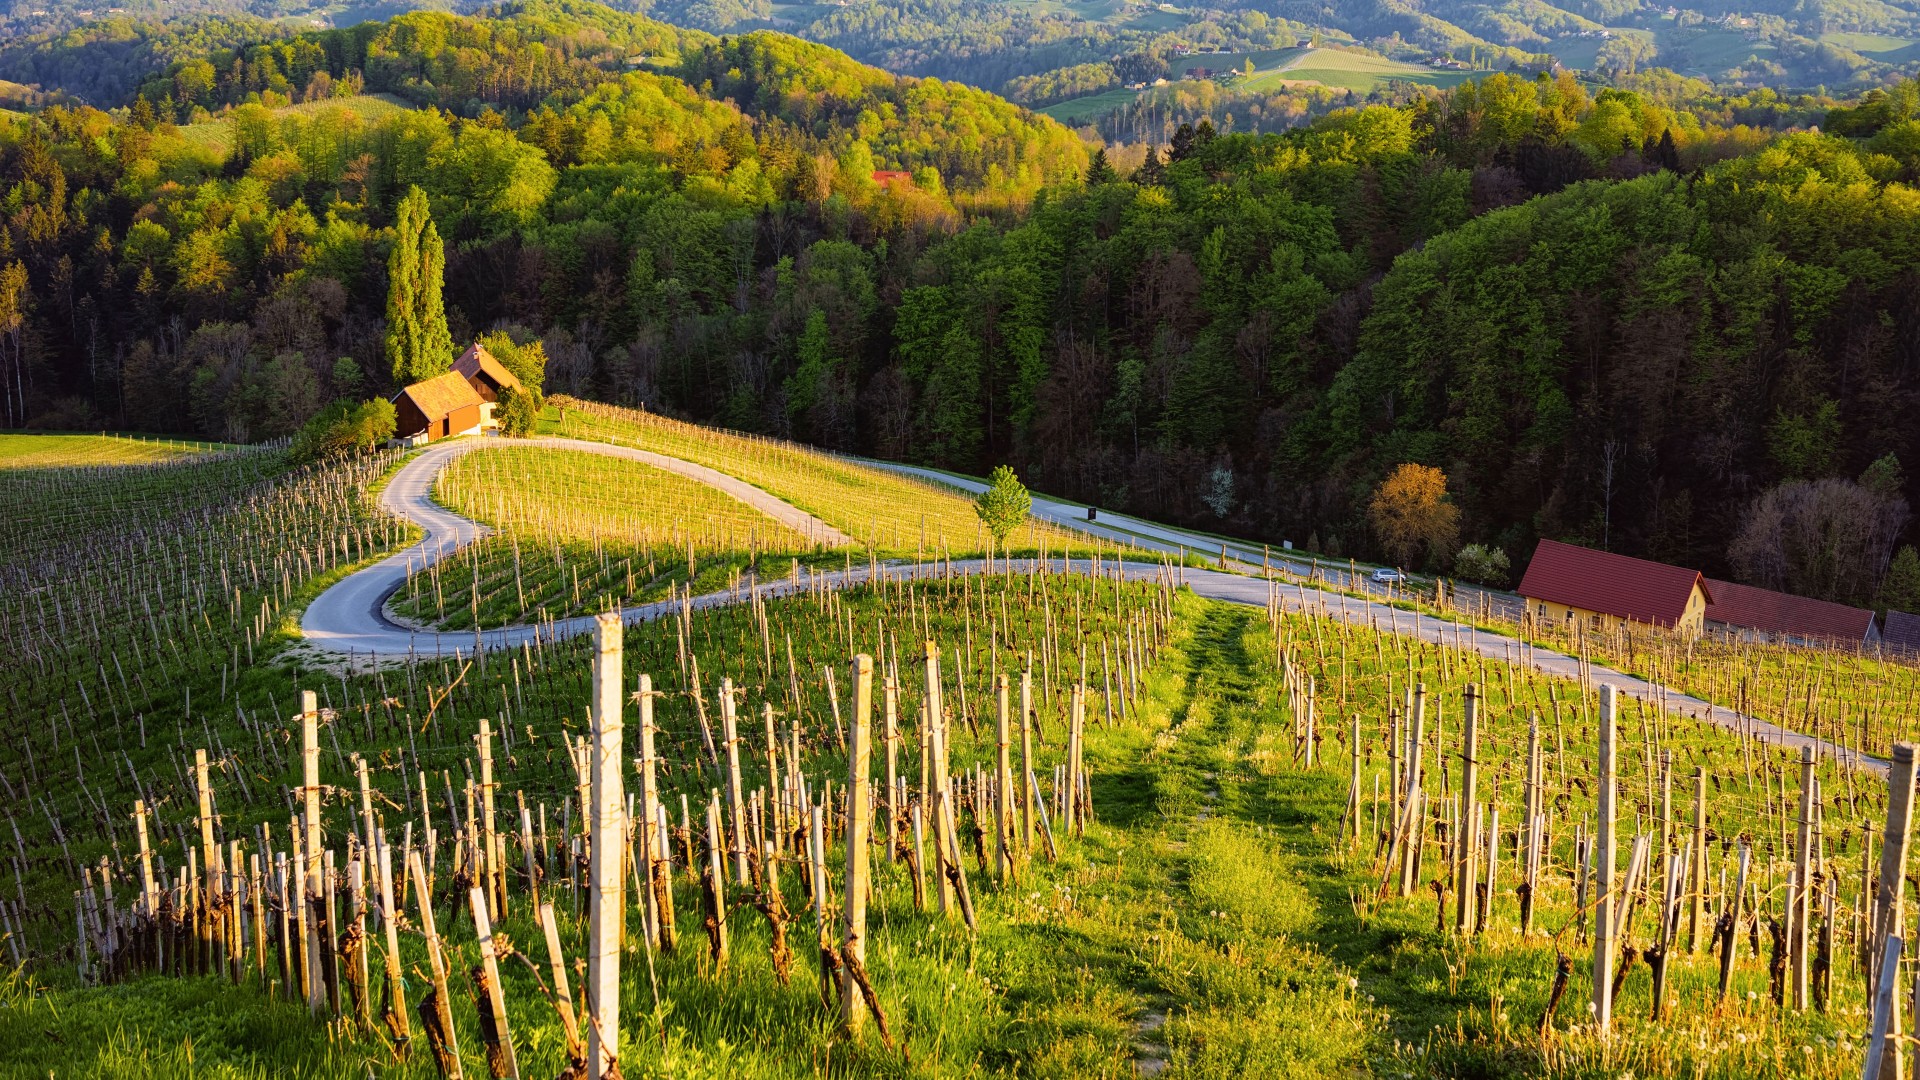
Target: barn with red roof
[1567, 583]
[1754, 612]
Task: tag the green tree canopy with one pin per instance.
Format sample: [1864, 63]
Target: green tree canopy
[1004, 505]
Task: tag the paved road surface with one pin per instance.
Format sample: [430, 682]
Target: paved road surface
[347, 620]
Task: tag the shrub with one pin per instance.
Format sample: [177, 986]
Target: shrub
[1004, 505]
[518, 411]
[344, 427]
[1483, 565]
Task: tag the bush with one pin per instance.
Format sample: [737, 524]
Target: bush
[518, 411]
[1004, 505]
[344, 427]
[1483, 565]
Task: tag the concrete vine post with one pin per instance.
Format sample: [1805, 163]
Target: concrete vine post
[606, 912]
[1603, 920]
[310, 785]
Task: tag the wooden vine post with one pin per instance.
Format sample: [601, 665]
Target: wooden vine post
[1003, 778]
[1802, 897]
[653, 854]
[859, 803]
[396, 1014]
[501, 1062]
[736, 797]
[310, 781]
[1603, 918]
[436, 1012]
[1466, 836]
[1026, 760]
[1410, 846]
[605, 913]
[1697, 908]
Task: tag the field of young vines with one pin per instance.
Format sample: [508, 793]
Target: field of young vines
[1053, 817]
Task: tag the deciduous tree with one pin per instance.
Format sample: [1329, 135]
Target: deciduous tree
[1410, 512]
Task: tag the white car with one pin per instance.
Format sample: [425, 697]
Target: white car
[1387, 575]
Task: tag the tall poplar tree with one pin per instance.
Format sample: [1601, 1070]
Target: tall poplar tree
[417, 338]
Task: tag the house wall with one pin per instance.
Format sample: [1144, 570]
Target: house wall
[1691, 621]
[407, 418]
[464, 420]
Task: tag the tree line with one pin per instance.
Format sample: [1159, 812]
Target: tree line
[1615, 318]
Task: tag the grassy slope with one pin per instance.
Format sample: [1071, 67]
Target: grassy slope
[1361, 73]
[54, 451]
[892, 511]
[589, 532]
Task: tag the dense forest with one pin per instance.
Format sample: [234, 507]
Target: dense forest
[1624, 318]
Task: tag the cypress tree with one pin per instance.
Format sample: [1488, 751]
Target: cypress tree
[417, 340]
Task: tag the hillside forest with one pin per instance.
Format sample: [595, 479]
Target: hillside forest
[1635, 318]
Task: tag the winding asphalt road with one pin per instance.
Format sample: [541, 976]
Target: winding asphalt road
[348, 621]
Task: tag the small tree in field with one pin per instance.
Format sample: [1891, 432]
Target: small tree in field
[1004, 505]
[518, 411]
[1410, 511]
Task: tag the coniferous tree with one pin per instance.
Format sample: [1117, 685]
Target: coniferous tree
[417, 340]
[1099, 171]
[1182, 147]
[1151, 172]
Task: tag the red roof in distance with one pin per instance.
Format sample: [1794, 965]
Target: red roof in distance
[1783, 613]
[1619, 585]
[1902, 631]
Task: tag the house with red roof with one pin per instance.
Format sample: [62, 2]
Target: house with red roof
[1763, 614]
[1566, 583]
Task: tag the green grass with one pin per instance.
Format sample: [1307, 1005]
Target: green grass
[1362, 73]
[70, 491]
[217, 134]
[1708, 51]
[892, 513]
[1090, 106]
[581, 532]
[56, 451]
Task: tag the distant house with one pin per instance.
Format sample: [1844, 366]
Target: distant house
[1565, 583]
[438, 408]
[488, 377]
[887, 178]
[1199, 73]
[1901, 633]
[1776, 616]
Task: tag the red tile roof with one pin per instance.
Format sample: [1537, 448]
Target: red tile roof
[1617, 585]
[477, 361]
[441, 395]
[1902, 631]
[1783, 613]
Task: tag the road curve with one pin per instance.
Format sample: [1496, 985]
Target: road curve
[347, 621]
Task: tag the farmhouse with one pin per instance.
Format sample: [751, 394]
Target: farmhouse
[437, 408]
[488, 377]
[1763, 614]
[1565, 583]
